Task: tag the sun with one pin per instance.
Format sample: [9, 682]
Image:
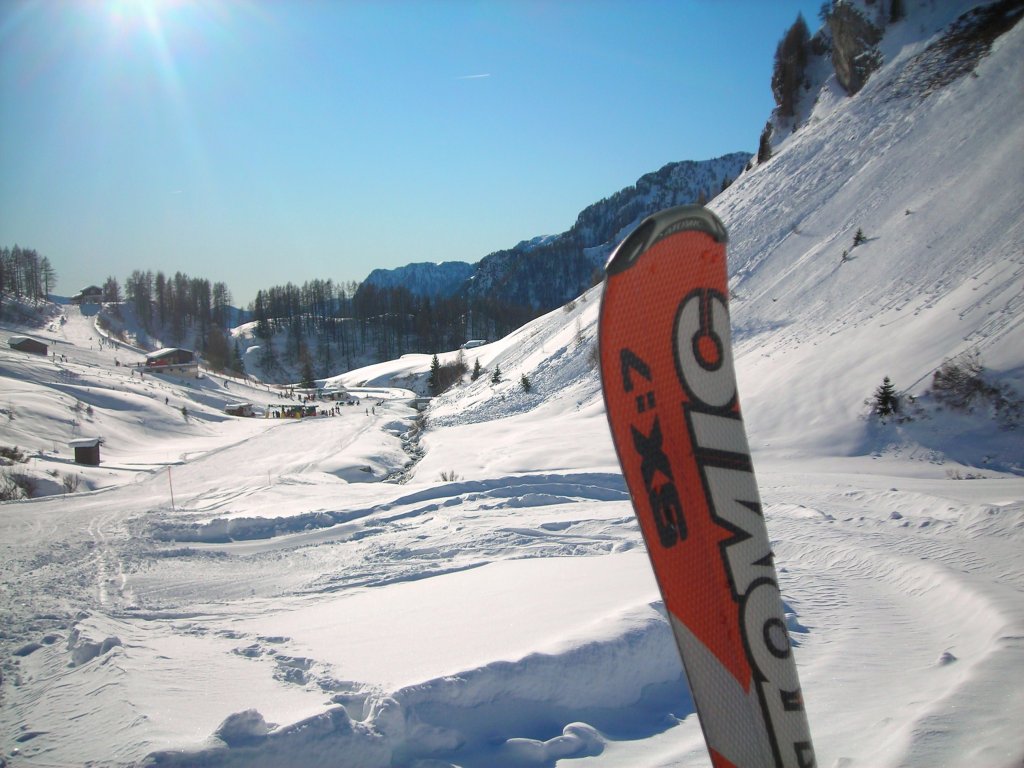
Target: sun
[133, 14]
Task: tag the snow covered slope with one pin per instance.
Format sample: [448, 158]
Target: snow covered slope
[820, 322]
[288, 607]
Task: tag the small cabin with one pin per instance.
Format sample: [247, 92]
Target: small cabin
[91, 294]
[87, 451]
[239, 409]
[172, 360]
[27, 344]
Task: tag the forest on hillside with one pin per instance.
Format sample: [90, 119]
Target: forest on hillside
[320, 326]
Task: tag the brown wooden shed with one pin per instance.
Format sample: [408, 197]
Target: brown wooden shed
[87, 450]
[27, 344]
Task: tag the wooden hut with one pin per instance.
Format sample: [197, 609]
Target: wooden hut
[91, 294]
[87, 450]
[172, 360]
[239, 409]
[27, 344]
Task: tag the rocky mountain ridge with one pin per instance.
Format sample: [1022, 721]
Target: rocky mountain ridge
[549, 270]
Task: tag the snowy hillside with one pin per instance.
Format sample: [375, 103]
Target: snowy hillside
[468, 586]
[941, 270]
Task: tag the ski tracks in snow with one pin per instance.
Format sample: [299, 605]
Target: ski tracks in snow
[913, 572]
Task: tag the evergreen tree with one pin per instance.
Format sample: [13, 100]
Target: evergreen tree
[259, 310]
[496, 376]
[790, 62]
[308, 377]
[111, 290]
[764, 145]
[324, 354]
[48, 275]
[237, 363]
[268, 358]
[887, 400]
[218, 354]
[524, 382]
[476, 370]
[434, 379]
[859, 238]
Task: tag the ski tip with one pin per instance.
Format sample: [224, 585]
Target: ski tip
[662, 224]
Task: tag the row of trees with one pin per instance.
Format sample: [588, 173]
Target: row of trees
[174, 305]
[320, 326]
[353, 322]
[26, 274]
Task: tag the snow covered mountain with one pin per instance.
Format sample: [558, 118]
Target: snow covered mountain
[224, 591]
[423, 278]
[546, 272]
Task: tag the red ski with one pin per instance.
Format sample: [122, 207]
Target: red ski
[670, 394]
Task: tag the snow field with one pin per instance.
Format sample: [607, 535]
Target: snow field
[291, 608]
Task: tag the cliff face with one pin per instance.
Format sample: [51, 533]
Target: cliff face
[854, 46]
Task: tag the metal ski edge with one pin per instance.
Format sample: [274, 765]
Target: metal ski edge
[662, 224]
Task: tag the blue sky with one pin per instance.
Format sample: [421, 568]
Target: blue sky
[258, 143]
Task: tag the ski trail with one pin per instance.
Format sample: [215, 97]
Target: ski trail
[932, 596]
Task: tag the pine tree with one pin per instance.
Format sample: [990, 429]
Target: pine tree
[308, 377]
[859, 238]
[260, 312]
[268, 358]
[887, 400]
[237, 363]
[476, 370]
[434, 380]
[111, 290]
[524, 382]
[790, 62]
[48, 275]
[496, 376]
[218, 355]
[764, 145]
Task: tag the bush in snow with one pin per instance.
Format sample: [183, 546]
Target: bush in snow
[12, 455]
[70, 482]
[16, 485]
[960, 384]
[524, 382]
[443, 377]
